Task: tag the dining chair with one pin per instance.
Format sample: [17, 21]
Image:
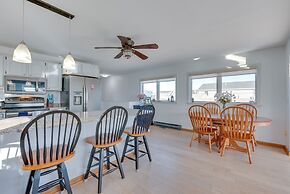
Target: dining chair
[237, 126]
[213, 107]
[109, 130]
[139, 131]
[254, 112]
[46, 142]
[202, 125]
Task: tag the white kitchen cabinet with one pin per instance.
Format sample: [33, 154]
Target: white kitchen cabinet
[14, 68]
[54, 76]
[90, 70]
[1, 71]
[77, 70]
[37, 69]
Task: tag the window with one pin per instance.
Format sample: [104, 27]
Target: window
[240, 83]
[150, 89]
[242, 86]
[160, 90]
[203, 89]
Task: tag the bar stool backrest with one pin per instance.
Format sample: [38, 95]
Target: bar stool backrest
[143, 120]
[111, 125]
[49, 137]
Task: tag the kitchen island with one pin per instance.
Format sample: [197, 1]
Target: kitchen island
[13, 179]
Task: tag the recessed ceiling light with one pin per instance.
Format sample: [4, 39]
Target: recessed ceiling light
[228, 67]
[243, 66]
[105, 75]
[196, 58]
[239, 59]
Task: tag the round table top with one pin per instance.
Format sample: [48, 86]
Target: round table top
[259, 121]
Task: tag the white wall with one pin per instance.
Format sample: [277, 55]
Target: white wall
[288, 87]
[272, 85]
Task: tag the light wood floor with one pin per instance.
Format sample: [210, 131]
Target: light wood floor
[178, 169]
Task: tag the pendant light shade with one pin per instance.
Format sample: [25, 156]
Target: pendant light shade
[69, 62]
[22, 54]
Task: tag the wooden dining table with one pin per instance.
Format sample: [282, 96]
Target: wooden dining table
[258, 121]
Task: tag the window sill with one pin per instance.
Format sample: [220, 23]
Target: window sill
[165, 102]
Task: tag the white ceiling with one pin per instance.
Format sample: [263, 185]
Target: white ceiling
[183, 29]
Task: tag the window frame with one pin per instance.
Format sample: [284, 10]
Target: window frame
[219, 82]
[157, 81]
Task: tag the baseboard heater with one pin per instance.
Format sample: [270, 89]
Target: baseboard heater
[167, 125]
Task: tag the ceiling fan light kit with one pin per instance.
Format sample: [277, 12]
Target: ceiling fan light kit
[128, 48]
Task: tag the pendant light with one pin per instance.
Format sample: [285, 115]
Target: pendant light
[69, 62]
[21, 53]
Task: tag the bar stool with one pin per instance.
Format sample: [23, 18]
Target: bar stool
[46, 143]
[140, 128]
[109, 130]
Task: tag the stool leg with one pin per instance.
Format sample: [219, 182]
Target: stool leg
[36, 179]
[136, 149]
[125, 148]
[147, 148]
[118, 161]
[100, 173]
[66, 178]
[29, 184]
[60, 176]
[90, 162]
[108, 158]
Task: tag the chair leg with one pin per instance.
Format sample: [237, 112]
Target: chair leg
[209, 143]
[90, 162]
[253, 144]
[118, 161]
[29, 184]
[66, 178]
[108, 158]
[254, 137]
[223, 146]
[199, 137]
[136, 150]
[147, 148]
[60, 176]
[192, 137]
[125, 148]
[100, 173]
[36, 179]
[249, 151]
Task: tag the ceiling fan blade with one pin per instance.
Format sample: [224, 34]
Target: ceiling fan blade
[123, 39]
[146, 46]
[108, 47]
[142, 56]
[119, 55]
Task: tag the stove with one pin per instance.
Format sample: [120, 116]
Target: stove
[23, 105]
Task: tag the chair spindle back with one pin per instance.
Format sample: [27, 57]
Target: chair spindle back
[213, 108]
[50, 136]
[200, 119]
[237, 123]
[143, 120]
[111, 125]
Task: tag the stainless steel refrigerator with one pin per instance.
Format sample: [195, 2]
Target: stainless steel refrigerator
[81, 93]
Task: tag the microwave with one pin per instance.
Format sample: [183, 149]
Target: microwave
[24, 85]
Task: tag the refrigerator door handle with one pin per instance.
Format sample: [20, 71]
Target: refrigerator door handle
[84, 96]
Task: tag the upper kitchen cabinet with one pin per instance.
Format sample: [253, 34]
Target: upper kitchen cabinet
[76, 71]
[14, 68]
[1, 70]
[37, 69]
[54, 76]
[90, 70]
[84, 69]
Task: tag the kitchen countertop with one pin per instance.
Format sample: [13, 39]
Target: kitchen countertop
[16, 124]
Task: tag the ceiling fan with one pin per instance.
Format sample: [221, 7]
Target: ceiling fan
[128, 48]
